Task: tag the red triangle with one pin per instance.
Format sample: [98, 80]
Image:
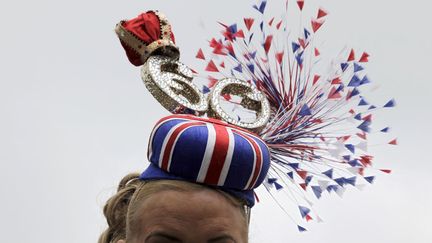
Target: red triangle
[366, 160]
[302, 174]
[321, 13]
[219, 51]
[333, 94]
[211, 67]
[213, 81]
[222, 65]
[386, 171]
[317, 121]
[300, 4]
[302, 43]
[368, 118]
[304, 186]
[230, 49]
[393, 142]
[249, 22]
[316, 24]
[279, 25]
[336, 80]
[352, 111]
[344, 138]
[362, 135]
[279, 57]
[239, 34]
[316, 78]
[317, 53]
[351, 56]
[267, 43]
[213, 43]
[200, 54]
[364, 57]
[308, 218]
[271, 22]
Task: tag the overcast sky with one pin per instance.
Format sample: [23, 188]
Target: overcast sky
[75, 116]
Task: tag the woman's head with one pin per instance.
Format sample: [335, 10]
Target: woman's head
[173, 211]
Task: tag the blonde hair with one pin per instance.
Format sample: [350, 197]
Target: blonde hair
[120, 210]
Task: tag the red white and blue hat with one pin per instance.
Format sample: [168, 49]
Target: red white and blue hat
[208, 151]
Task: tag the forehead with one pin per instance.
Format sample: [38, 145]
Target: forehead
[202, 212]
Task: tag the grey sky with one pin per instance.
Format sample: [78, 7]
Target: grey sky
[75, 116]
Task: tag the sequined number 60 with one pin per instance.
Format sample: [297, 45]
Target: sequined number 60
[170, 82]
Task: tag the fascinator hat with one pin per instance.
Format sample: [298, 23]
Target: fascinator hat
[185, 146]
[310, 129]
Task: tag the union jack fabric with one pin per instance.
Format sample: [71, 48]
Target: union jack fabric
[207, 151]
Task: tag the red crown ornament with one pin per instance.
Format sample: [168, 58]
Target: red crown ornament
[148, 34]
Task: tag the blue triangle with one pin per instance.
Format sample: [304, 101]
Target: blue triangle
[206, 89]
[233, 28]
[354, 92]
[301, 229]
[346, 157]
[295, 46]
[350, 147]
[363, 103]
[385, 129]
[295, 166]
[291, 174]
[351, 181]
[358, 117]
[355, 81]
[261, 8]
[271, 180]
[372, 107]
[278, 186]
[308, 180]
[251, 68]
[305, 111]
[391, 103]
[304, 211]
[344, 66]
[364, 126]
[354, 162]
[299, 59]
[340, 88]
[329, 173]
[340, 181]
[370, 179]
[365, 80]
[357, 67]
[306, 33]
[317, 191]
[239, 68]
